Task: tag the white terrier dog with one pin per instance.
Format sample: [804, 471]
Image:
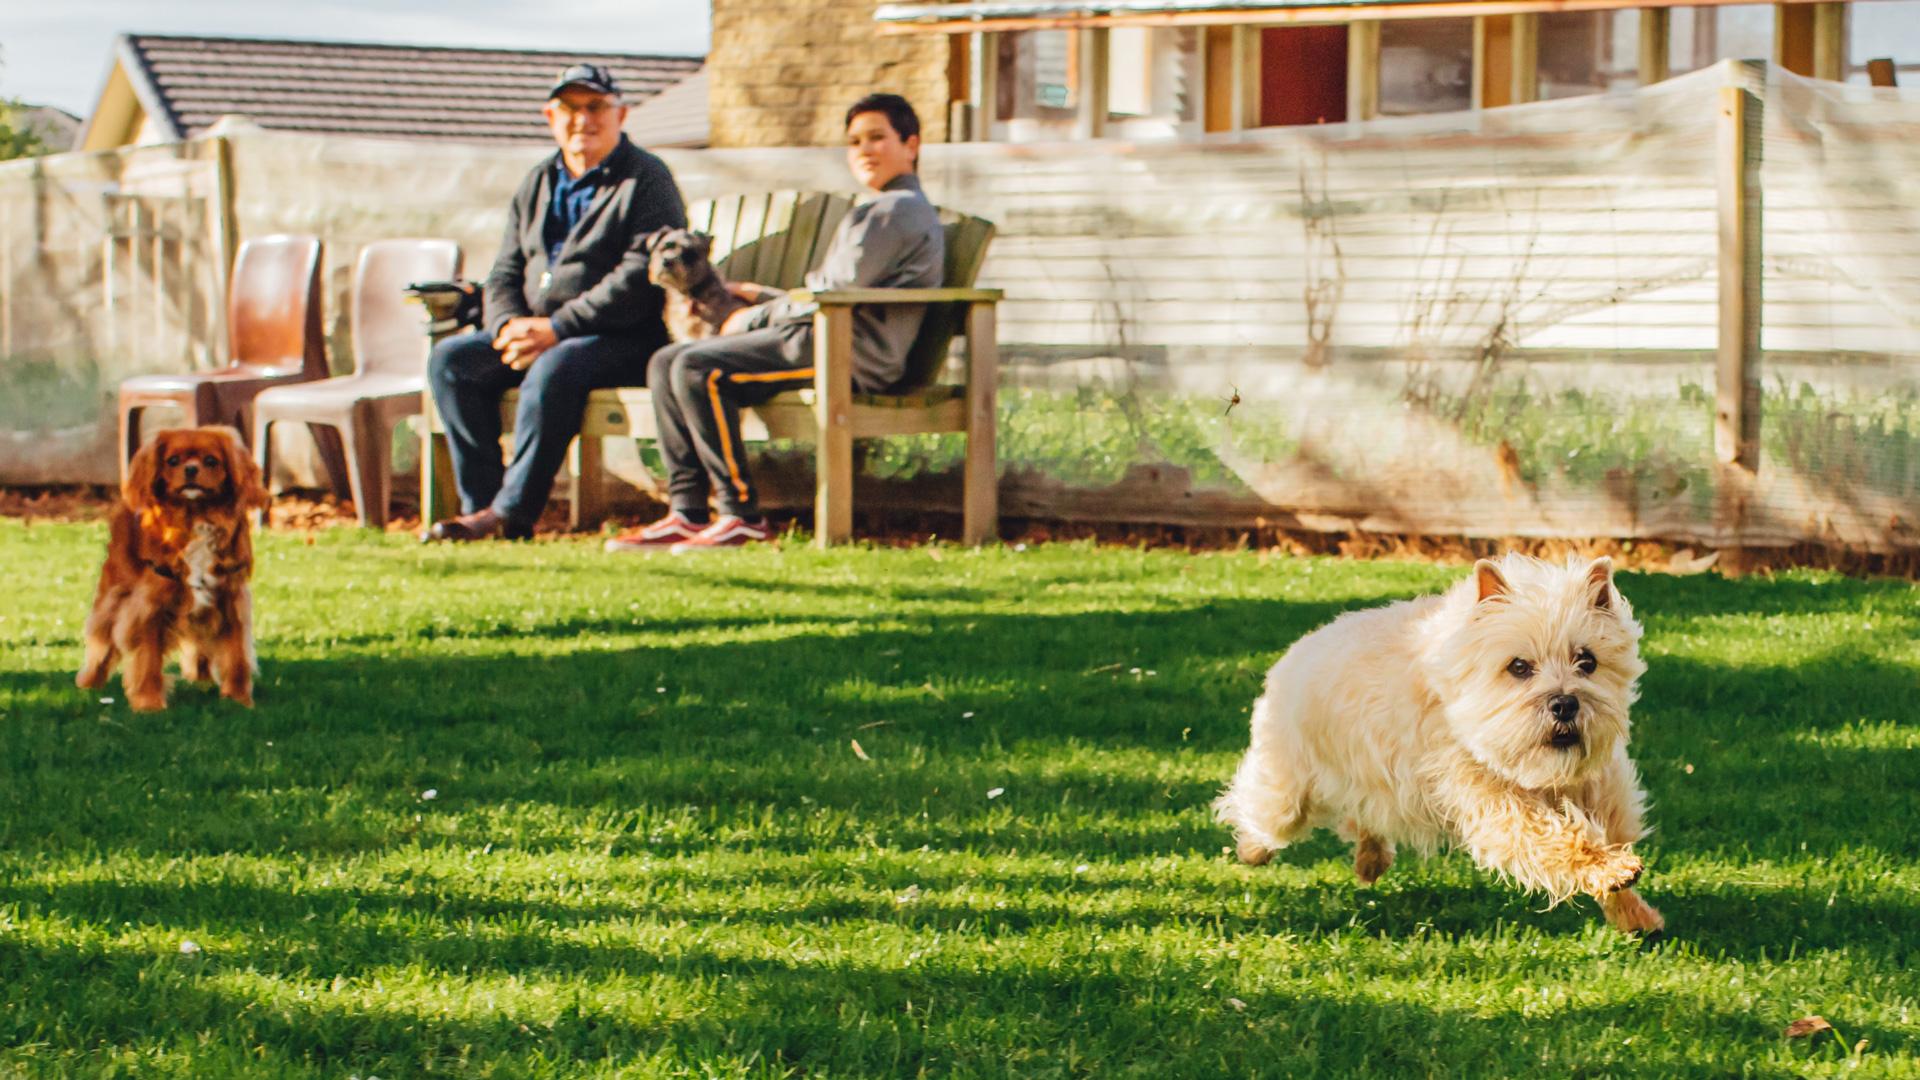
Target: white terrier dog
[1493, 716]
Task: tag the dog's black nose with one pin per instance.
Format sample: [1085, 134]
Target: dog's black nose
[1565, 708]
[191, 471]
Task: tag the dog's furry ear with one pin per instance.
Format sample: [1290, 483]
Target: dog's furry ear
[1600, 583]
[657, 235]
[143, 472]
[1492, 583]
[249, 487]
[702, 241]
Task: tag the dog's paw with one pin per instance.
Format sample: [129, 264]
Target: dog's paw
[1617, 870]
[1253, 854]
[147, 702]
[90, 680]
[1371, 858]
[1628, 913]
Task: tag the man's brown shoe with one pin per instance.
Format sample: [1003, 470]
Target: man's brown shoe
[479, 525]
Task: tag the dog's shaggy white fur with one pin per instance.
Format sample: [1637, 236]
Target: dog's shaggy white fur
[1493, 716]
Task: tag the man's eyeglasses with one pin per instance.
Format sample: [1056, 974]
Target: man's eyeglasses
[596, 108]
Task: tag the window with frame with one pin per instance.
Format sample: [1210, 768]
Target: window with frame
[1426, 66]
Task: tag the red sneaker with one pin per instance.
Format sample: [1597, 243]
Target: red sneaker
[726, 531]
[665, 533]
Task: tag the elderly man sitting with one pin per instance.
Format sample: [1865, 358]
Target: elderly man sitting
[569, 309]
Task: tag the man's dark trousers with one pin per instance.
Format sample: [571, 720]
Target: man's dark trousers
[467, 380]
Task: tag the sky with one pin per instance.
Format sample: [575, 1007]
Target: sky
[57, 52]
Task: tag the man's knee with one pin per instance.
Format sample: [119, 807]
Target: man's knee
[451, 356]
[440, 363]
[694, 378]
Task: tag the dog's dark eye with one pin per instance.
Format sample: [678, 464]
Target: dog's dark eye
[1519, 669]
[210, 461]
[1585, 661]
[172, 460]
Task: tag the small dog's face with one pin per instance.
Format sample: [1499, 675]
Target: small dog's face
[1539, 668]
[677, 258]
[200, 467]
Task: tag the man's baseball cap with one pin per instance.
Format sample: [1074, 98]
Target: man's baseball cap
[587, 76]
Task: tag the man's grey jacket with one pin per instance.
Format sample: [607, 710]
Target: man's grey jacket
[599, 284]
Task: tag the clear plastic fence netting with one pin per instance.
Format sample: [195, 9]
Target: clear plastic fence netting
[110, 266]
[1490, 324]
[1495, 323]
[1839, 429]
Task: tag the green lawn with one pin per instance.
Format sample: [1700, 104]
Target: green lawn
[653, 849]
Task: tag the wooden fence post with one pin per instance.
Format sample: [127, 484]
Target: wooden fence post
[1736, 428]
[226, 246]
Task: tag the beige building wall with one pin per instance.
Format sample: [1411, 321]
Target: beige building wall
[783, 74]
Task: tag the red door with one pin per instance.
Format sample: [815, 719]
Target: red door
[1303, 75]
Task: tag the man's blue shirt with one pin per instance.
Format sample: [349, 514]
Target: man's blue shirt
[571, 197]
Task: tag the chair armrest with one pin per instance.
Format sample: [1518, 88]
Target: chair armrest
[894, 296]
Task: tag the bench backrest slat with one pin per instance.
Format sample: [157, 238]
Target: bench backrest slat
[967, 240]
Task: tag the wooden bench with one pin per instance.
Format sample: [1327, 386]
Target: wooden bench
[773, 240]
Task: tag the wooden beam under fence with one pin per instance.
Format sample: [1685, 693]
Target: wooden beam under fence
[1656, 35]
[1092, 82]
[1363, 71]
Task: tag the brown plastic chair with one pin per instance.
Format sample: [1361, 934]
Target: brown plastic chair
[273, 329]
[390, 361]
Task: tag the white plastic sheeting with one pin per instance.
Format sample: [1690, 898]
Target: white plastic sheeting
[1491, 323]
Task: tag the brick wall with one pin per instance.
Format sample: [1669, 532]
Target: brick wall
[783, 74]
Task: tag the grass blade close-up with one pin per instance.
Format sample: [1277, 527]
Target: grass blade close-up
[532, 810]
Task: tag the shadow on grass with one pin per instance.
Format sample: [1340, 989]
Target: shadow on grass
[1665, 600]
[428, 917]
[334, 757]
[1076, 1011]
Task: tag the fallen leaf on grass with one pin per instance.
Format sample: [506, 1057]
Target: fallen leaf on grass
[994, 793]
[189, 947]
[1238, 1005]
[1685, 561]
[1808, 1025]
[908, 897]
[859, 753]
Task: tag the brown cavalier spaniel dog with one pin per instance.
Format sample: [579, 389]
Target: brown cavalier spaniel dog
[179, 555]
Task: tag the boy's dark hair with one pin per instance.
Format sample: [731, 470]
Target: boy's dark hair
[899, 113]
